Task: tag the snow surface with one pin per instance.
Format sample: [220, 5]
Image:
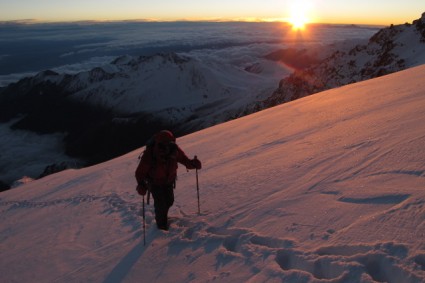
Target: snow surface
[328, 188]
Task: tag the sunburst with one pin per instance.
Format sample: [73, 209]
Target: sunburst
[299, 15]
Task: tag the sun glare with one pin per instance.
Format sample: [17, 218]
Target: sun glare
[299, 15]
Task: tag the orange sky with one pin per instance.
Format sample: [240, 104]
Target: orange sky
[380, 12]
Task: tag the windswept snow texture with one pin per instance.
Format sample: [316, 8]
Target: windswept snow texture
[328, 188]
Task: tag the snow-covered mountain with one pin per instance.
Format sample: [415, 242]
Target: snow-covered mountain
[390, 50]
[174, 87]
[328, 188]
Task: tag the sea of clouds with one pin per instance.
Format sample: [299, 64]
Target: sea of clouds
[26, 49]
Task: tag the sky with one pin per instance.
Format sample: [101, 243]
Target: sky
[380, 12]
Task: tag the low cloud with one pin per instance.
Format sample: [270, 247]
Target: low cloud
[21, 151]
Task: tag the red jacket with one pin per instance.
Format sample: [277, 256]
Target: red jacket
[159, 170]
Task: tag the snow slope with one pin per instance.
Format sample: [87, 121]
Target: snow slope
[328, 188]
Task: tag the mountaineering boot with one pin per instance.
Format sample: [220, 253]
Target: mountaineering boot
[162, 227]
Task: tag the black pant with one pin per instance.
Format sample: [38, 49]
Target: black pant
[163, 197]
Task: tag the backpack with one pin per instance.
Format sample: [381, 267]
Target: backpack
[150, 146]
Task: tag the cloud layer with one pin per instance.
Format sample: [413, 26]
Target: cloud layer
[72, 47]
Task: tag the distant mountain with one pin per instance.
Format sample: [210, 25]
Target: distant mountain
[390, 50]
[129, 86]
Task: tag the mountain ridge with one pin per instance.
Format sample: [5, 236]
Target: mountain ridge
[391, 49]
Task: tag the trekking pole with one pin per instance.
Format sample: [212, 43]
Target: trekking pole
[197, 189]
[144, 225]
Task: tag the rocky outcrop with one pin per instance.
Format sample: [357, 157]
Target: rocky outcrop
[58, 167]
[420, 26]
[4, 186]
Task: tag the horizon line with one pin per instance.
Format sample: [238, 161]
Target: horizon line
[36, 21]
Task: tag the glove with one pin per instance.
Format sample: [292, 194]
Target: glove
[196, 163]
[142, 189]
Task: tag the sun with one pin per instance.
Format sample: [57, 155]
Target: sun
[299, 15]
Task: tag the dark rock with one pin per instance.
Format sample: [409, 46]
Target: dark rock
[4, 186]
